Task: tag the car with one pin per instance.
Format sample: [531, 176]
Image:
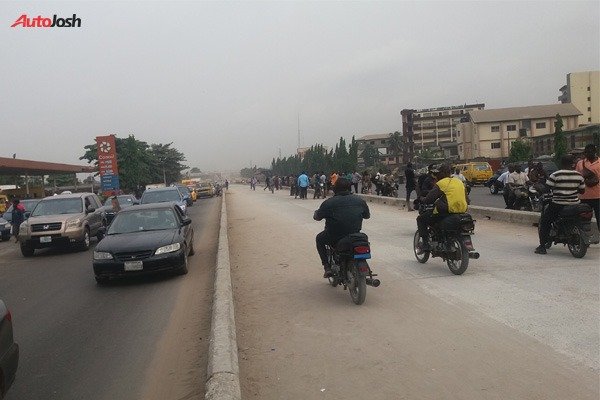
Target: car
[9, 351]
[145, 239]
[162, 195]
[206, 189]
[29, 205]
[185, 193]
[67, 219]
[475, 172]
[125, 200]
[5, 229]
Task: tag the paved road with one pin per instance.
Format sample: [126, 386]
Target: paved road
[137, 339]
[515, 326]
[480, 196]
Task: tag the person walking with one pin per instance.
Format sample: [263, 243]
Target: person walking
[323, 183]
[355, 180]
[18, 216]
[410, 184]
[589, 168]
[303, 183]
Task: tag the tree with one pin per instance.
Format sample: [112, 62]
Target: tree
[520, 150]
[195, 170]
[370, 155]
[62, 179]
[395, 145]
[560, 141]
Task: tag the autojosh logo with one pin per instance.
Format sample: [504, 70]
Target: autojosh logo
[46, 22]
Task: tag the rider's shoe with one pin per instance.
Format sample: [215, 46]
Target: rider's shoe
[540, 250]
[328, 272]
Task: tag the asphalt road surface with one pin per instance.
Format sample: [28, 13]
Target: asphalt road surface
[480, 196]
[143, 338]
[516, 325]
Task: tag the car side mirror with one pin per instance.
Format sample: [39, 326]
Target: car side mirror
[186, 221]
[90, 209]
[26, 215]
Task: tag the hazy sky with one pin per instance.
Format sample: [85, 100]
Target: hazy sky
[225, 81]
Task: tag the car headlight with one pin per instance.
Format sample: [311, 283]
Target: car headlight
[74, 223]
[102, 255]
[7, 226]
[168, 249]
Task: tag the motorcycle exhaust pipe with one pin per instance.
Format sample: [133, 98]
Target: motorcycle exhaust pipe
[474, 255]
[373, 282]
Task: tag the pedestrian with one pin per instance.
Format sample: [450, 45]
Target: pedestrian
[292, 183]
[356, 178]
[114, 203]
[323, 182]
[457, 174]
[366, 182]
[226, 184]
[410, 184]
[589, 168]
[303, 183]
[18, 216]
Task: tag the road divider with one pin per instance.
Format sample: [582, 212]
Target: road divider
[223, 379]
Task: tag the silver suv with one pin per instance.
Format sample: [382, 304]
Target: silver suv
[66, 219]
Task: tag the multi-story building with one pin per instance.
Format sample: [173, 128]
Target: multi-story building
[432, 127]
[379, 142]
[583, 91]
[490, 133]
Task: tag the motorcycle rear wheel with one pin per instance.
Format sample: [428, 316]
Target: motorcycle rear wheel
[357, 285]
[421, 257]
[459, 265]
[577, 244]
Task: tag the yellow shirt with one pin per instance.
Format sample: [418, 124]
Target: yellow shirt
[455, 194]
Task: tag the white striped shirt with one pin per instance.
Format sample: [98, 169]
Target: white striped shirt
[565, 186]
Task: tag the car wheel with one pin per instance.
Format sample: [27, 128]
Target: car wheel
[101, 280]
[84, 245]
[184, 268]
[192, 251]
[493, 189]
[27, 251]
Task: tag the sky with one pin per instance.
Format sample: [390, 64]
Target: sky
[227, 81]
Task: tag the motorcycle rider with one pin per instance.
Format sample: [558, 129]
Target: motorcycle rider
[515, 179]
[566, 184]
[453, 200]
[343, 214]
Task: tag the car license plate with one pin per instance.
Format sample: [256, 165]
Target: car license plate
[45, 239]
[134, 265]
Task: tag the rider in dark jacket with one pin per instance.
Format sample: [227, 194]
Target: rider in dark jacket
[343, 215]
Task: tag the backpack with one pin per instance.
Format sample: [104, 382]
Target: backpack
[589, 177]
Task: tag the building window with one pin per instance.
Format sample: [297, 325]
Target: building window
[589, 108]
[372, 142]
[589, 119]
[589, 99]
[460, 148]
[572, 142]
[540, 125]
[511, 128]
[383, 142]
[390, 158]
[495, 128]
[588, 88]
[496, 145]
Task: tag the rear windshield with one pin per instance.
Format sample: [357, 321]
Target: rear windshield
[124, 201]
[161, 196]
[58, 206]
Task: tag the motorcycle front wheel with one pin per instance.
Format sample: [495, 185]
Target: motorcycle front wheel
[357, 285]
[577, 244]
[458, 259]
[421, 256]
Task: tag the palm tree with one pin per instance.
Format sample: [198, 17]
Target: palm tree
[395, 145]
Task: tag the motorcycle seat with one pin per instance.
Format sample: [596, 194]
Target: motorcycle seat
[347, 243]
[574, 210]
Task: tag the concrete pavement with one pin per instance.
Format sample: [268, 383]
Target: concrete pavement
[515, 325]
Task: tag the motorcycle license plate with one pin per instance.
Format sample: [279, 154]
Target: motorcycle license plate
[134, 265]
[45, 239]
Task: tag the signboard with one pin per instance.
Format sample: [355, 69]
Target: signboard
[107, 164]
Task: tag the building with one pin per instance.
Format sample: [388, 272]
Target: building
[380, 142]
[433, 127]
[583, 91]
[489, 133]
[577, 139]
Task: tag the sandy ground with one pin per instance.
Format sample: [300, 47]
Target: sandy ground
[178, 369]
[512, 327]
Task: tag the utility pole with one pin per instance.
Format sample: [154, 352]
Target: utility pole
[299, 137]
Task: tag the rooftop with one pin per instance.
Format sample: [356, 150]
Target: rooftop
[520, 113]
[375, 136]
[16, 166]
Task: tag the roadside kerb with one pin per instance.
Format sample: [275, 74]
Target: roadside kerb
[223, 380]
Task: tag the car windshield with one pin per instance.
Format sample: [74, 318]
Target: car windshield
[124, 201]
[161, 196]
[58, 206]
[482, 167]
[27, 204]
[143, 220]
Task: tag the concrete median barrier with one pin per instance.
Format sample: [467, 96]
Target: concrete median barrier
[223, 381]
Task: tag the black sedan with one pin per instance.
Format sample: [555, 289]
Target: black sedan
[145, 239]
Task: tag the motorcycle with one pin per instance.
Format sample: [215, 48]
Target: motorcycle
[572, 228]
[349, 267]
[521, 198]
[450, 239]
[536, 197]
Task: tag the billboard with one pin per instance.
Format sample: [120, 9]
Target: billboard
[107, 164]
